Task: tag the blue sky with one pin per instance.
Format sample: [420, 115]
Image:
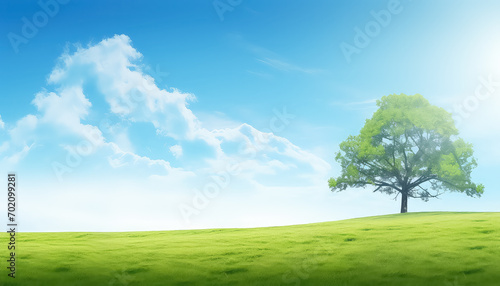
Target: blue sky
[246, 101]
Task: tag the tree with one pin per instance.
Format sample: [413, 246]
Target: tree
[408, 147]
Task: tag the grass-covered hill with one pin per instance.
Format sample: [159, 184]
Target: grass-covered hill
[403, 249]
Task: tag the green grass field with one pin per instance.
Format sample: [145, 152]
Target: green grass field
[403, 249]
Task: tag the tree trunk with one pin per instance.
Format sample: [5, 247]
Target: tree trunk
[404, 202]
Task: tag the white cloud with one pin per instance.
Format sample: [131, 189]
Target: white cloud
[176, 150]
[134, 96]
[73, 133]
[254, 143]
[2, 124]
[66, 109]
[130, 93]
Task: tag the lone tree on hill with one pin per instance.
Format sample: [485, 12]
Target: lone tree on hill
[408, 147]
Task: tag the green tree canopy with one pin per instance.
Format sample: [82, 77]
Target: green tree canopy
[408, 147]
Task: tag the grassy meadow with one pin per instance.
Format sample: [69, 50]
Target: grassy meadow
[403, 249]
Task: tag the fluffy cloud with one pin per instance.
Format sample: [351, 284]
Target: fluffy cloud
[2, 124]
[113, 66]
[76, 138]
